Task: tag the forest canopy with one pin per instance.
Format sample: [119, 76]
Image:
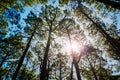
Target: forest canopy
[59, 40]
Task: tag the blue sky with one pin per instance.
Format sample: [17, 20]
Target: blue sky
[118, 18]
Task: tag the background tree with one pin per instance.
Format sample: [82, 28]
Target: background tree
[74, 35]
[59, 68]
[34, 25]
[112, 41]
[92, 66]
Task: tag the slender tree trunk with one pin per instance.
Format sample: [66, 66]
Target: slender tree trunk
[77, 69]
[74, 60]
[23, 70]
[48, 70]
[43, 75]
[60, 71]
[23, 56]
[71, 74]
[111, 3]
[55, 74]
[115, 45]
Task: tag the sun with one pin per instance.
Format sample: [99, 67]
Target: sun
[71, 47]
[75, 46]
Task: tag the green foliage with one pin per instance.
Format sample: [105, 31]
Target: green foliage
[64, 1]
[5, 4]
[112, 31]
[33, 2]
[3, 25]
[3, 72]
[68, 78]
[10, 50]
[59, 67]
[3, 22]
[28, 75]
[92, 64]
[18, 7]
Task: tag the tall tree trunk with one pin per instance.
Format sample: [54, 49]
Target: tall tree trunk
[74, 60]
[111, 3]
[115, 45]
[24, 68]
[43, 75]
[60, 70]
[48, 70]
[77, 69]
[71, 73]
[23, 56]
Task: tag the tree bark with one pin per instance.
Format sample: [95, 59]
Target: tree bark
[60, 71]
[48, 70]
[75, 62]
[24, 68]
[23, 56]
[71, 74]
[111, 3]
[77, 69]
[43, 75]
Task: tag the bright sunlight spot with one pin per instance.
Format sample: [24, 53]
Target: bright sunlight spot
[74, 47]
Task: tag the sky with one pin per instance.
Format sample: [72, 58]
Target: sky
[118, 19]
